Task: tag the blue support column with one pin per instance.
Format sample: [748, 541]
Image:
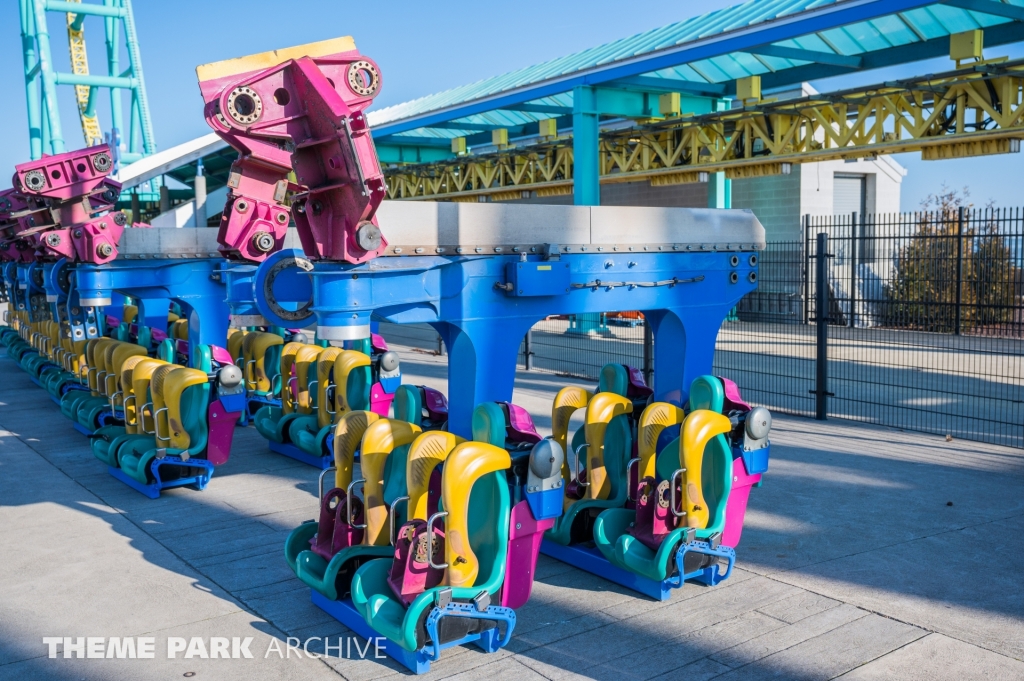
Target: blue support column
[719, 187]
[28, 46]
[719, 191]
[482, 359]
[585, 140]
[48, 78]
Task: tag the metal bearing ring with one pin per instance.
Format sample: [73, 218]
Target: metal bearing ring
[244, 105]
[356, 81]
[35, 180]
[102, 162]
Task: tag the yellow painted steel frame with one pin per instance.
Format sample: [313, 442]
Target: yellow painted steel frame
[80, 67]
[971, 111]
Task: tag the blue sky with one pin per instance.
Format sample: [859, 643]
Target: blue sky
[422, 47]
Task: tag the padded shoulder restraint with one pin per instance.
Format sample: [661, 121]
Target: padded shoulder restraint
[567, 402]
[127, 369]
[174, 386]
[348, 362]
[287, 364]
[706, 392]
[117, 359]
[698, 430]
[304, 359]
[262, 343]
[379, 440]
[324, 367]
[236, 339]
[656, 417]
[614, 379]
[602, 409]
[489, 424]
[468, 463]
[428, 451]
[348, 435]
[142, 376]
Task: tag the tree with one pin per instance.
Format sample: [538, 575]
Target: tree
[945, 262]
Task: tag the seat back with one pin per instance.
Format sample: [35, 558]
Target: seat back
[655, 418]
[614, 378]
[474, 491]
[179, 329]
[142, 376]
[382, 459]
[489, 424]
[352, 379]
[129, 313]
[707, 392]
[236, 339]
[348, 435]
[159, 403]
[567, 402]
[130, 415]
[408, 404]
[605, 475]
[305, 370]
[186, 395]
[428, 451]
[93, 359]
[704, 453]
[260, 377]
[120, 354]
[325, 411]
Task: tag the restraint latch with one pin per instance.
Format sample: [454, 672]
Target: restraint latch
[444, 597]
[481, 601]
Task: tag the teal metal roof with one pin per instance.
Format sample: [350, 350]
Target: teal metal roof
[784, 41]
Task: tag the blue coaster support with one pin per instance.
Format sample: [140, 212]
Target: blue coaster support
[152, 490]
[190, 283]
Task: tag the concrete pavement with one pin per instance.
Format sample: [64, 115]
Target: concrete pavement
[852, 566]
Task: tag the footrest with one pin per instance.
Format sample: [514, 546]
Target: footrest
[290, 450]
[591, 560]
[710, 575]
[152, 490]
[417, 662]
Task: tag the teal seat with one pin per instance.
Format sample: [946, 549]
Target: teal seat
[611, 528]
[476, 496]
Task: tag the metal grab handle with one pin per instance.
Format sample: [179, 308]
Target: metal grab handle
[88, 373]
[313, 397]
[391, 516]
[330, 399]
[156, 425]
[320, 482]
[101, 383]
[430, 540]
[348, 500]
[245, 374]
[125, 404]
[274, 382]
[672, 494]
[113, 397]
[578, 469]
[142, 419]
[629, 487]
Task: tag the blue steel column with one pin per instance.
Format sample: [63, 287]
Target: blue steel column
[139, 90]
[48, 77]
[585, 141]
[28, 46]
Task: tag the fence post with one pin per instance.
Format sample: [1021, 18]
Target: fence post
[959, 268]
[821, 318]
[804, 269]
[528, 350]
[648, 354]
[854, 229]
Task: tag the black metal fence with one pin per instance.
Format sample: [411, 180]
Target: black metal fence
[924, 328]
